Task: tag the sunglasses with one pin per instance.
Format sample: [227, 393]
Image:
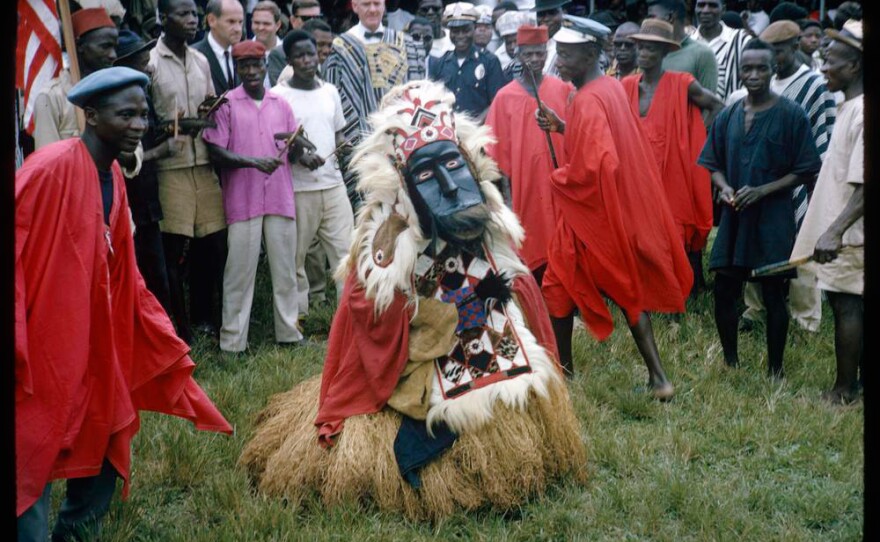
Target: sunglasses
[430, 9]
[424, 38]
[306, 18]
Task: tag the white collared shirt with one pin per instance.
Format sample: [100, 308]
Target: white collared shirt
[359, 30]
[221, 58]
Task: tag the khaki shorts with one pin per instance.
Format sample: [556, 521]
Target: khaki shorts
[192, 202]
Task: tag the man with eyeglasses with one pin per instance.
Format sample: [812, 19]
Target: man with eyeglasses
[432, 10]
[421, 31]
[302, 11]
[623, 62]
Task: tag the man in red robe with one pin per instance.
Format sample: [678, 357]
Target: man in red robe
[615, 235]
[669, 105]
[523, 151]
[92, 345]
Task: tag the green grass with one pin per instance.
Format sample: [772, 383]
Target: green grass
[735, 456]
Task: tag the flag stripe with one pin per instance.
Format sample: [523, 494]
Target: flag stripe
[38, 51]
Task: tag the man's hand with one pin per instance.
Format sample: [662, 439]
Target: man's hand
[548, 120]
[827, 247]
[311, 161]
[267, 165]
[747, 196]
[725, 195]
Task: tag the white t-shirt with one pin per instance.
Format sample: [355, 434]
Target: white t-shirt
[319, 111]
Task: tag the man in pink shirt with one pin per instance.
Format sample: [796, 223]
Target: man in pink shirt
[248, 145]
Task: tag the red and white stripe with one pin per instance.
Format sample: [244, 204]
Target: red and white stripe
[38, 51]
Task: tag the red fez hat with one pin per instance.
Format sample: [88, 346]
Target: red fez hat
[86, 20]
[532, 35]
[248, 49]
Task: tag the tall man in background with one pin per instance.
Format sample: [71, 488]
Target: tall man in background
[224, 19]
[189, 190]
[366, 62]
[726, 43]
[693, 57]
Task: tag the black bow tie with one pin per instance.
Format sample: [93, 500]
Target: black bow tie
[379, 34]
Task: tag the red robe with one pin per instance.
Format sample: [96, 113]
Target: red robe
[92, 344]
[615, 234]
[523, 155]
[675, 129]
[366, 355]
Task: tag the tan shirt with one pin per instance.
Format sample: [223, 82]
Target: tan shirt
[842, 171]
[54, 116]
[184, 82]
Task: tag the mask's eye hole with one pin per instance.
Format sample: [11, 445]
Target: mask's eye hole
[424, 175]
[453, 163]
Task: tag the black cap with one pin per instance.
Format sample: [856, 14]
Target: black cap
[131, 43]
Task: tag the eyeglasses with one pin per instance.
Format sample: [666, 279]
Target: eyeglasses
[424, 38]
[430, 9]
[306, 18]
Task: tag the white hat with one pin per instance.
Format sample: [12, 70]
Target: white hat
[459, 14]
[484, 14]
[510, 21]
[580, 30]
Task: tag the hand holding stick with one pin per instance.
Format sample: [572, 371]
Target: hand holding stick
[288, 141]
[528, 70]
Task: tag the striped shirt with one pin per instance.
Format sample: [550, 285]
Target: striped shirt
[727, 47]
[363, 73]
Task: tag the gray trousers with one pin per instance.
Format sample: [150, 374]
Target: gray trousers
[85, 505]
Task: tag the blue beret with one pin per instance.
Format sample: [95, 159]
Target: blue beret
[580, 30]
[103, 82]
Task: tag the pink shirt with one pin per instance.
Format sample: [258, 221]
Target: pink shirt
[248, 130]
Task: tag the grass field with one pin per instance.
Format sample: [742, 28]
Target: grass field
[735, 456]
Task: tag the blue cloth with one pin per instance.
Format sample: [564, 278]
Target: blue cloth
[104, 81]
[779, 142]
[106, 178]
[474, 84]
[414, 447]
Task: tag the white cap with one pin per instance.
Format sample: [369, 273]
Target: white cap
[580, 30]
[510, 21]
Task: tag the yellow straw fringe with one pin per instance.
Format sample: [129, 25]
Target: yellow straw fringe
[500, 466]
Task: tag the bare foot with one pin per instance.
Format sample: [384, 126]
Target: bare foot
[841, 396]
[662, 392]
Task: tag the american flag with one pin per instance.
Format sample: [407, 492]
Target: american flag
[38, 52]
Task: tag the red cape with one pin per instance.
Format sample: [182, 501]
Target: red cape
[523, 155]
[615, 234]
[675, 129]
[365, 354]
[92, 344]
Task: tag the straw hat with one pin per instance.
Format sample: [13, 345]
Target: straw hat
[850, 34]
[656, 31]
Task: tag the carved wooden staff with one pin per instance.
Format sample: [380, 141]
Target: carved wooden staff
[528, 69]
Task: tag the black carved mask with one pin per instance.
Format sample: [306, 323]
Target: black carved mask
[444, 191]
